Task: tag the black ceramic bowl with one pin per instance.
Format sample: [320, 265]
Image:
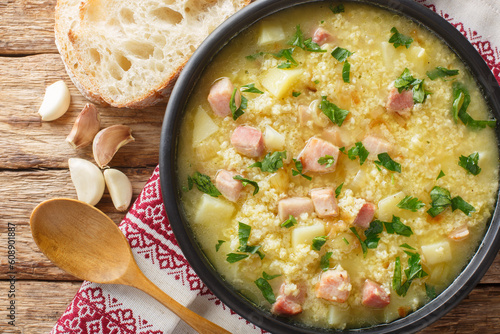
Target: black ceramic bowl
[171, 188]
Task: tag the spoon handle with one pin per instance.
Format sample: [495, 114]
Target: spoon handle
[194, 320]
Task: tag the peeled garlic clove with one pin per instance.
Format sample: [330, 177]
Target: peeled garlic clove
[55, 102]
[86, 126]
[108, 141]
[119, 187]
[87, 179]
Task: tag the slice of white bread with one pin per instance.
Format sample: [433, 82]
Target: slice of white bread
[128, 53]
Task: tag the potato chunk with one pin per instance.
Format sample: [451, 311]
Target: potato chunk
[273, 140]
[305, 234]
[212, 210]
[437, 252]
[279, 82]
[204, 126]
[270, 32]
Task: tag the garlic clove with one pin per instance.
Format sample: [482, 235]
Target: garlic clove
[119, 187]
[86, 126]
[108, 141]
[87, 179]
[55, 102]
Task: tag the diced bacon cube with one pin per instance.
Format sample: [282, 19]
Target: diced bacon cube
[219, 97]
[365, 215]
[375, 146]
[460, 233]
[324, 202]
[304, 115]
[248, 141]
[289, 302]
[294, 206]
[321, 36]
[334, 285]
[229, 187]
[374, 295]
[400, 103]
[317, 148]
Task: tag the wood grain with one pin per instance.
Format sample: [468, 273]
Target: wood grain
[27, 27]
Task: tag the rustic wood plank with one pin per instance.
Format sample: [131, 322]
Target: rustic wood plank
[27, 27]
[478, 313]
[27, 142]
[21, 192]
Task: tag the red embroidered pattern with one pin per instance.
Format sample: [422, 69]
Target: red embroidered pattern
[147, 228]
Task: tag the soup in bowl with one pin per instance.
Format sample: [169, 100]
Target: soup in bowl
[336, 164]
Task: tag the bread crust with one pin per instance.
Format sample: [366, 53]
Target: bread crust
[72, 44]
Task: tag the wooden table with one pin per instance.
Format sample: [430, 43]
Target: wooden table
[33, 167]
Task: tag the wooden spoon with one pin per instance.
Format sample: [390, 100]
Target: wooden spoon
[86, 243]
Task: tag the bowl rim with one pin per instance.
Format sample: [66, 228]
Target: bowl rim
[417, 320]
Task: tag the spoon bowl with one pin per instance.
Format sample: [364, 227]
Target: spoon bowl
[86, 243]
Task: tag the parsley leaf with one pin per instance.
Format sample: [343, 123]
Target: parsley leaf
[361, 242]
[324, 263]
[410, 203]
[203, 183]
[338, 190]
[243, 235]
[406, 81]
[405, 245]
[237, 111]
[250, 88]
[299, 167]
[235, 257]
[372, 234]
[430, 291]
[287, 55]
[271, 162]
[441, 174]
[305, 44]
[345, 240]
[255, 56]
[318, 242]
[385, 160]
[441, 72]
[396, 226]
[413, 272]
[470, 163]
[296, 94]
[358, 150]
[266, 289]
[219, 243]
[461, 101]
[458, 203]
[441, 199]
[327, 160]
[398, 39]
[341, 54]
[334, 113]
[269, 277]
[337, 9]
[289, 222]
[246, 182]
[346, 72]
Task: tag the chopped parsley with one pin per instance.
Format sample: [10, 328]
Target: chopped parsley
[334, 113]
[441, 174]
[441, 72]
[286, 54]
[243, 235]
[372, 234]
[410, 203]
[266, 289]
[318, 242]
[461, 101]
[203, 183]
[398, 39]
[361, 242]
[299, 167]
[470, 163]
[385, 161]
[246, 182]
[341, 54]
[413, 272]
[250, 88]
[289, 222]
[324, 263]
[338, 190]
[358, 150]
[327, 160]
[219, 243]
[346, 72]
[441, 199]
[305, 44]
[337, 9]
[345, 240]
[396, 226]
[296, 94]
[255, 56]
[237, 111]
[405, 245]
[430, 291]
[271, 162]
[406, 81]
[235, 257]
